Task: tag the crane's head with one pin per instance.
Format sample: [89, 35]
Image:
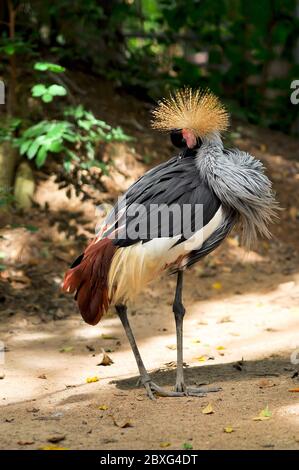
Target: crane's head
[190, 116]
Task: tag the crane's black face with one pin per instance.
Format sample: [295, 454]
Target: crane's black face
[178, 140]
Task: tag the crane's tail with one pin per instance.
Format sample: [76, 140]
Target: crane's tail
[88, 278]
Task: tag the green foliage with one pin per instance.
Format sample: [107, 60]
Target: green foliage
[151, 46]
[49, 67]
[81, 132]
[8, 129]
[48, 93]
[75, 136]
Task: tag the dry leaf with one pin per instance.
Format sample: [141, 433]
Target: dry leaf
[171, 346]
[89, 380]
[196, 341]
[56, 438]
[122, 423]
[103, 407]
[294, 390]
[266, 383]
[264, 415]
[208, 410]
[42, 376]
[25, 443]
[220, 348]
[105, 360]
[228, 429]
[165, 444]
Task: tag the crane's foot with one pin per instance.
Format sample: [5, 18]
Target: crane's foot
[195, 392]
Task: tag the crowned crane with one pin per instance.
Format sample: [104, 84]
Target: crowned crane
[217, 189]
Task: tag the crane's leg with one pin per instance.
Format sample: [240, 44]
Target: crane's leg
[179, 312]
[149, 385]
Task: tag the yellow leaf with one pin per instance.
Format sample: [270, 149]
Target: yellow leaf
[103, 407]
[89, 380]
[66, 349]
[208, 410]
[217, 285]
[165, 444]
[196, 341]
[53, 448]
[220, 348]
[228, 429]
[171, 346]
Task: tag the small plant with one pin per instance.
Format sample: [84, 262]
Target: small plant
[76, 136]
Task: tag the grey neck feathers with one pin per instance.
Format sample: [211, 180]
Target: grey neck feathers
[239, 181]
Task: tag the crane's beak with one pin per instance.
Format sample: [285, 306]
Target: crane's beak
[189, 137]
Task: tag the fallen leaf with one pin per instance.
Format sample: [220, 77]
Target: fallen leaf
[103, 407]
[220, 348]
[294, 390]
[122, 423]
[25, 443]
[165, 444]
[89, 380]
[32, 410]
[208, 410]
[105, 360]
[196, 341]
[228, 429]
[266, 383]
[201, 358]
[56, 438]
[217, 285]
[171, 346]
[42, 376]
[66, 349]
[53, 448]
[264, 415]
[108, 337]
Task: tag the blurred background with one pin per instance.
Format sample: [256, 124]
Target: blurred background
[78, 81]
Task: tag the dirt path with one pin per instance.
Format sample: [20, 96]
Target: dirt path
[241, 332]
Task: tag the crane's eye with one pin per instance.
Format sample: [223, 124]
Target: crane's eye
[177, 139]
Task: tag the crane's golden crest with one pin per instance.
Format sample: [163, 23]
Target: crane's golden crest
[198, 110]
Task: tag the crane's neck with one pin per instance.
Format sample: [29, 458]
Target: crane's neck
[211, 148]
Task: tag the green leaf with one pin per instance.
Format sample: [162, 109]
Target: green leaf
[57, 90]
[33, 149]
[56, 147]
[38, 90]
[25, 146]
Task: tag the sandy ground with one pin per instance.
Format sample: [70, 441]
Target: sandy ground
[44, 393]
